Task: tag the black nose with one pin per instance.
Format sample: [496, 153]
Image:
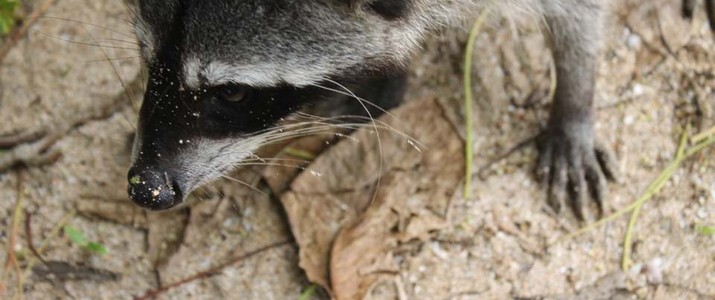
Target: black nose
[152, 189]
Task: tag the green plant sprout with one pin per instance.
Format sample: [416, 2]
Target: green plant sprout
[7, 15]
[78, 238]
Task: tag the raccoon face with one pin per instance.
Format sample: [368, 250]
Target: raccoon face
[222, 73]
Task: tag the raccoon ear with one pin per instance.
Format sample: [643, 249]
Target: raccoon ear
[388, 9]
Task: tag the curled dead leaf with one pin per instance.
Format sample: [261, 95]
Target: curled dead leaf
[346, 230]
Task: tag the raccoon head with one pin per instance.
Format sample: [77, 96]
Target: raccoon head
[222, 73]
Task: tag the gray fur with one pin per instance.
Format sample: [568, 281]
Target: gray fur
[301, 42]
[269, 43]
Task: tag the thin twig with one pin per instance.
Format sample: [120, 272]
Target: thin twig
[11, 260]
[469, 144]
[28, 236]
[18, 32]
[703, 135]
[210, 272]
[10, 141]
[628, 237]
[53, 233]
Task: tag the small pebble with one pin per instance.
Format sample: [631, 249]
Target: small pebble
[629, 119]
[638, 90]
[634, 41]
[653, 270]
[702, 214]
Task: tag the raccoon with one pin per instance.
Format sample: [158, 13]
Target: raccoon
[223, 73]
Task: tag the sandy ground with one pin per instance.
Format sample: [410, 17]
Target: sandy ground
[657, 74]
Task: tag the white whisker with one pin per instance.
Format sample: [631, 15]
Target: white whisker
[129, 35]
[245, 184]
[377, 134]
[83, 42]
[352, 95]
[241, 164]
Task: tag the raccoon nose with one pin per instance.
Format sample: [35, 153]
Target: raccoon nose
[152, 189]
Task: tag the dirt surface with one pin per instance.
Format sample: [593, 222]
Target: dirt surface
[417, 237]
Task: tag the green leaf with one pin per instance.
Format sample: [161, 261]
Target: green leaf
[8, 5]
[7, 15]
[78, 238]
[308, 292]
[96, 248]
[299, 153]
[75, 235]
[705, 230]
[5, 24]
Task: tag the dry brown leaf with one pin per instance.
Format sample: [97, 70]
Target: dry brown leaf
[315, 220]
[341, 244]
[416, 198]
[360, 245]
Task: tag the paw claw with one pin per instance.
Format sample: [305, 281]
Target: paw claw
[578, 188]
[573, 167]
[559, 181]
[543, 170]
[597, 185]
[607, 163]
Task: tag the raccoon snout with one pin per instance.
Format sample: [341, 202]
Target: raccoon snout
[153, 189]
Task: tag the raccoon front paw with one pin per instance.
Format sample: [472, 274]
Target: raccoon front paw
[572, 162]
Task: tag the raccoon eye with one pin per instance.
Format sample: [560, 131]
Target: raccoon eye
[232, 94]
